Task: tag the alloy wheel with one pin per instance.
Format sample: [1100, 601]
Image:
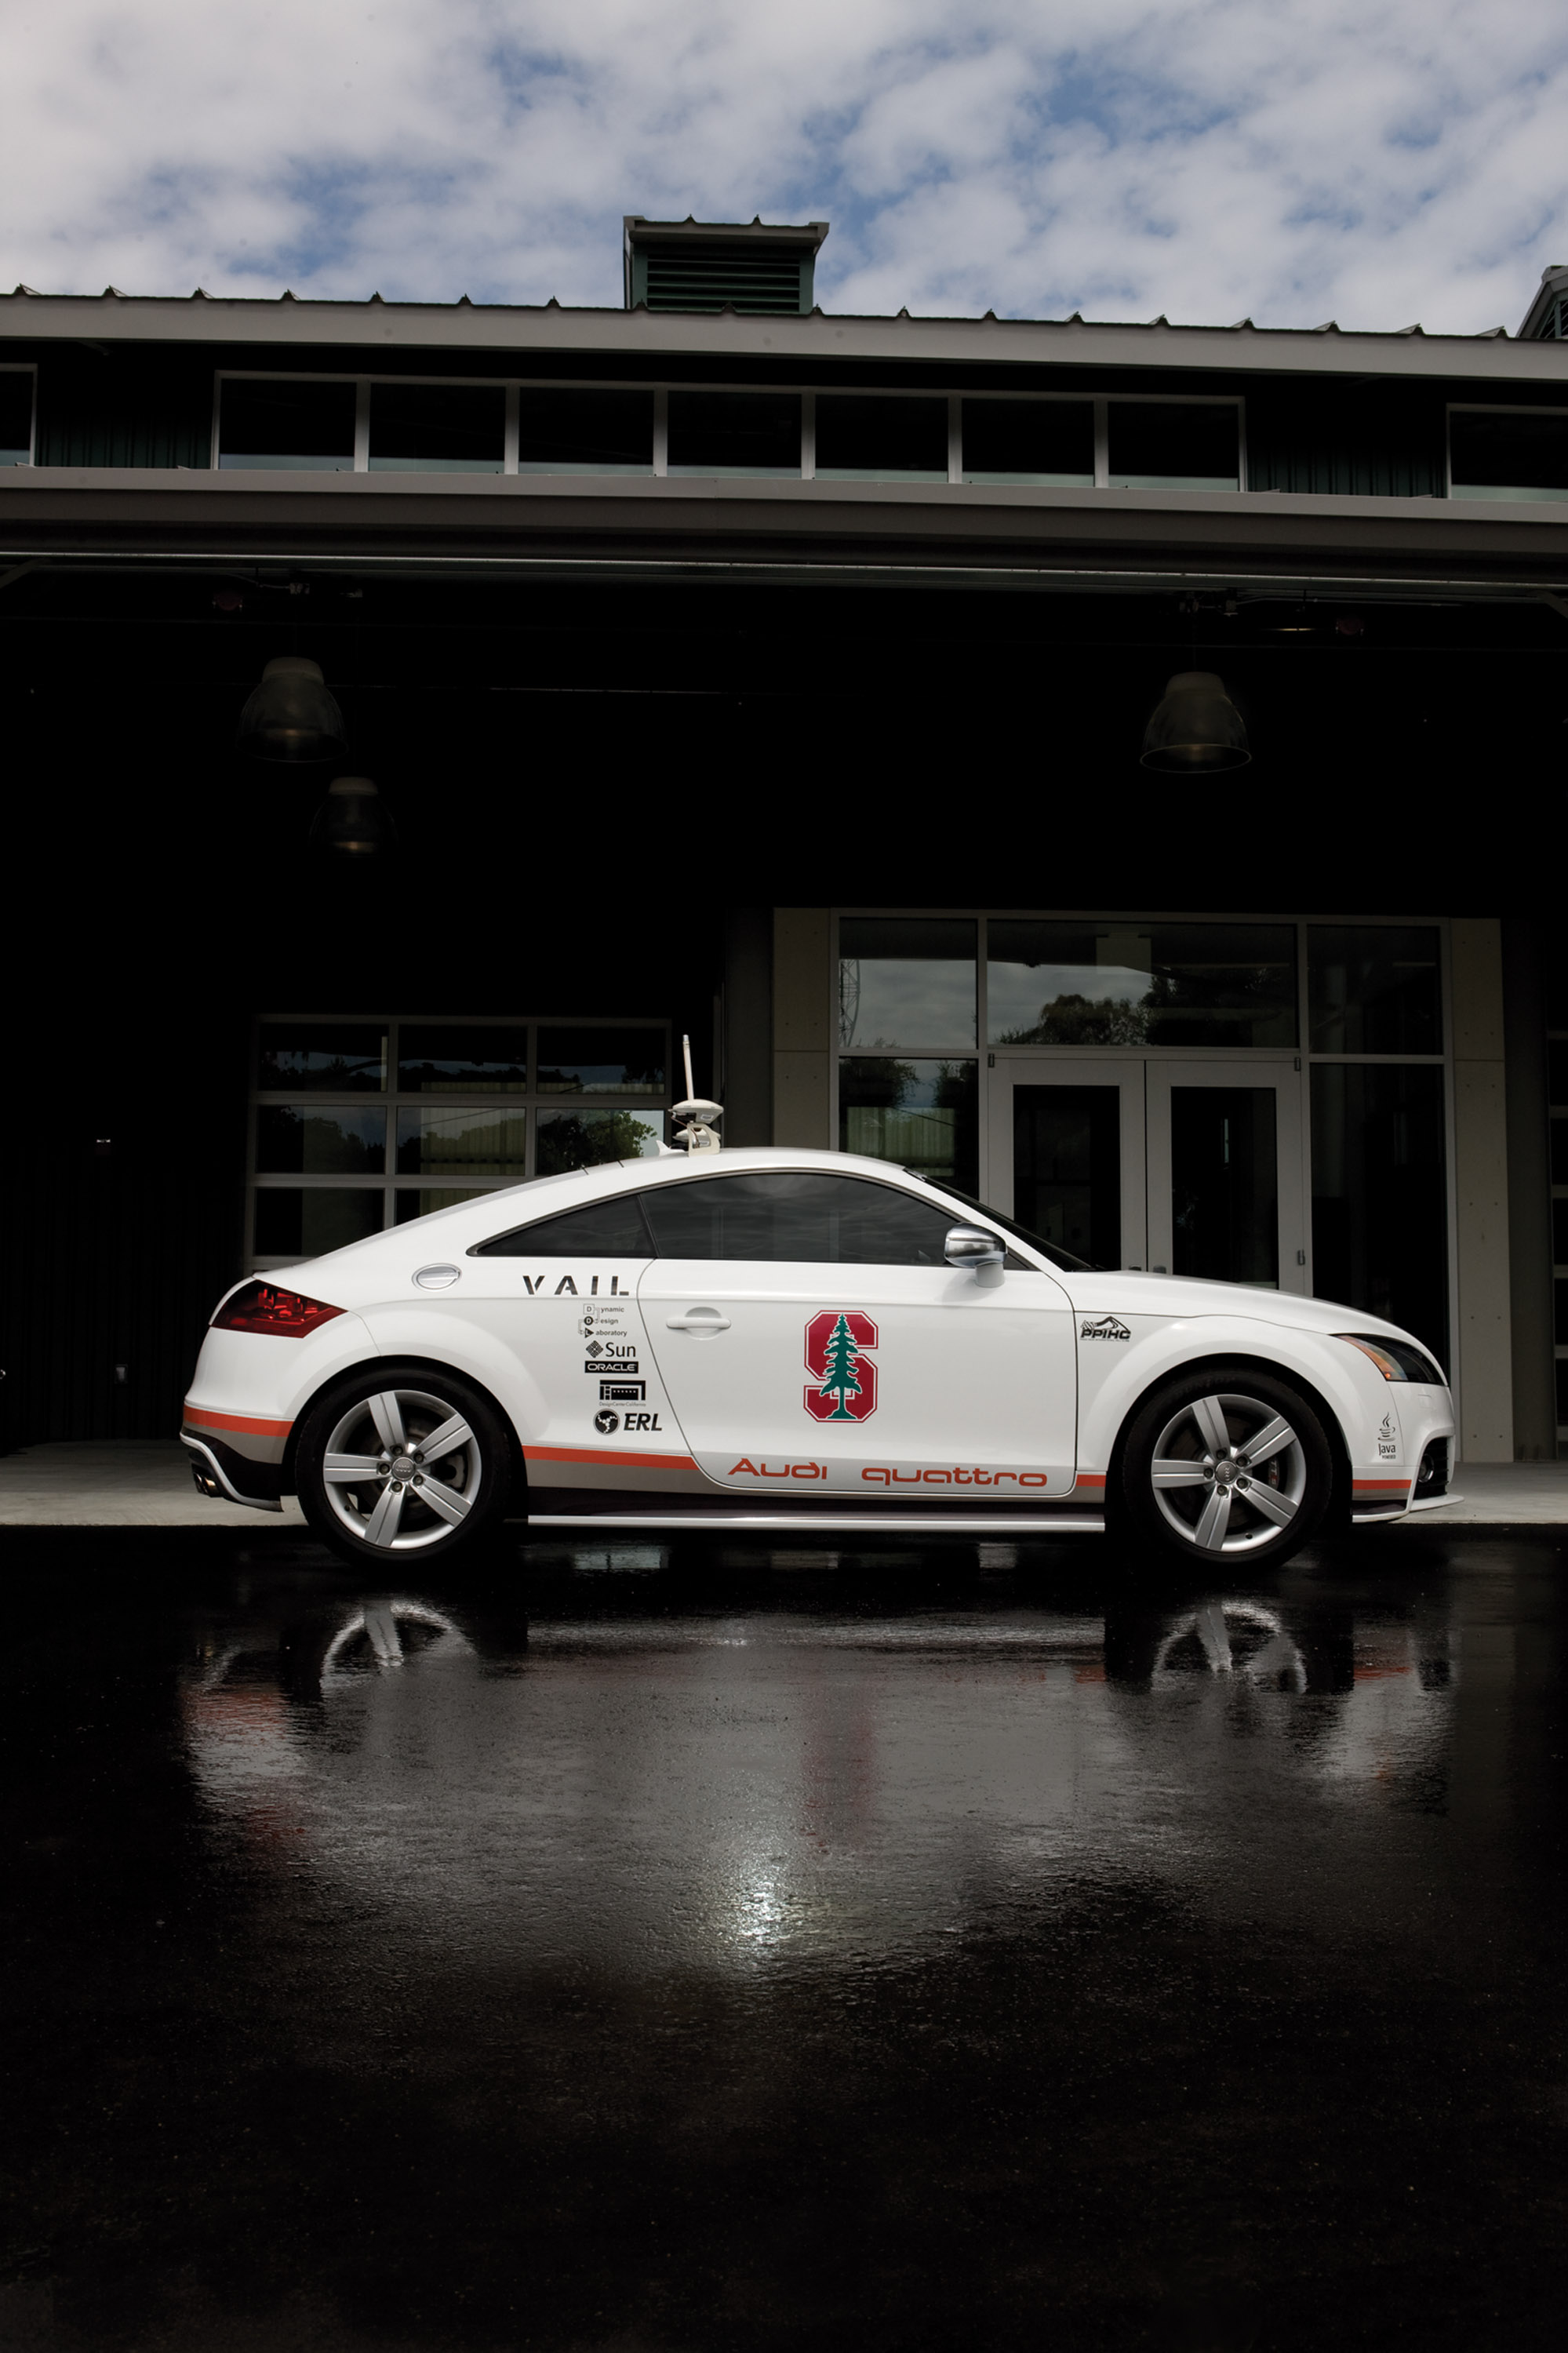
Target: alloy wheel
[1229, 1474]
[401, 1469]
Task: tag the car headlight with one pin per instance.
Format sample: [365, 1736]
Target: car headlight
[1396, 1360]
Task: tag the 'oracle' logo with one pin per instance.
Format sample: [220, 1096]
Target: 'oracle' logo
[842, 1387]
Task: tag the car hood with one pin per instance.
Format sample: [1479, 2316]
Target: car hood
[1172, 1296]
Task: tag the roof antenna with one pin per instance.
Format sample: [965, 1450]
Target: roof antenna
[697, 1134]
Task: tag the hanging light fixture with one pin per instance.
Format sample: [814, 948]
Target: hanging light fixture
[290, 716]
[353, 821]
[1196, 729]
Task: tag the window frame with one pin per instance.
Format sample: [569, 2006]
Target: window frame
[26, 368]
[1168, 400]
[529, 1099]
[1481, 494]
[661, 387]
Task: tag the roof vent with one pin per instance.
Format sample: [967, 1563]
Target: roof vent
[756, 268]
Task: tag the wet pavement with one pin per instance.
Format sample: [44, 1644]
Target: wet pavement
[662, 1951]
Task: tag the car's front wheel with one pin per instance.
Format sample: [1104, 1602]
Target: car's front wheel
[1231, 1462]
[397, 1460]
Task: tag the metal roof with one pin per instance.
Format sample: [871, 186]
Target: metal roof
[517, 329]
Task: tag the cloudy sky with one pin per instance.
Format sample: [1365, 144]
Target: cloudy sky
[1290, 161]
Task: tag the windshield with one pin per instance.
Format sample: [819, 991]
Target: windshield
[1048, 1250]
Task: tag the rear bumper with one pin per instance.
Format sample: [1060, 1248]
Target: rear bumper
[221, 1471]
[235, 1455]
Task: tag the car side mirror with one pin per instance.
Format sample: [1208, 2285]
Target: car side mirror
[973, 1247]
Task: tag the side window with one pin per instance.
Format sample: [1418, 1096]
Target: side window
[613, 1228]
[797, 1216]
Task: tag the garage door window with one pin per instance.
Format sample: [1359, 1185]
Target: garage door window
[361, 1125]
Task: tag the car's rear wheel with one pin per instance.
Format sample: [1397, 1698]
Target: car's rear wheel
[1228, 1464]
[398, 1461]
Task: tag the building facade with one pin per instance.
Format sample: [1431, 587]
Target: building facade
[800, 685]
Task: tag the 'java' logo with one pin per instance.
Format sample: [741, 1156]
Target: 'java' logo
[844, 1378]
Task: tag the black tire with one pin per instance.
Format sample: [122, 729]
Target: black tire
[1276, 1504]
[390, 1513]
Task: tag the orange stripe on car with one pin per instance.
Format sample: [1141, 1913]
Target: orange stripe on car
[608, 1454]
[1380, 1486]
[205, 1418]
[1090, 1479]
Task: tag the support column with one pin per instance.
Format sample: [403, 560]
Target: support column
[1529, 1194]
[802, 1026]
[1484, 1366]
[747, 1088]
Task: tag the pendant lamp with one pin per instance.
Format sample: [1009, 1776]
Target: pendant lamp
[353, 821]
[290, 716]
[1196, 729]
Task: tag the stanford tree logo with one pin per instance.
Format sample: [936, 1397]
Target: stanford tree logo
[843, 1377]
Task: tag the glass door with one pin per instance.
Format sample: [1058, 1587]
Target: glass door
[1187, 1168]
[1068, 1153]
[1226, 1190]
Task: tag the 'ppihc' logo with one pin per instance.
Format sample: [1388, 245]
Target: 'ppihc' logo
[842, 1387]
[1104, 1327]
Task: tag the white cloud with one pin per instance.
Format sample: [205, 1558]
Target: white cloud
[1290, 160]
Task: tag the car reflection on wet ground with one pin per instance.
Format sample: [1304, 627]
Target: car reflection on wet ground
[639, 1950]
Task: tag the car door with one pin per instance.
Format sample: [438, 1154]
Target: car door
[809, 1333]
[559, 1296]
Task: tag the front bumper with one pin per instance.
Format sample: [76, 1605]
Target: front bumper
[1374, 1498]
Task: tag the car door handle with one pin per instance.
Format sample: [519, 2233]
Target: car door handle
[699, 1319]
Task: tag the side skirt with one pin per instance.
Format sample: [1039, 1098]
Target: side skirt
[962, 1524]
[597, 1508]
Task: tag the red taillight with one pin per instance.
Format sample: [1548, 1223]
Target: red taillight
[263, 1307]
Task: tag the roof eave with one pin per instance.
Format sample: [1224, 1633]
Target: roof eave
[517, 330]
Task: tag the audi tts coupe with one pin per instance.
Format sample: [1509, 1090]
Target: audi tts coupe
[775, 1340]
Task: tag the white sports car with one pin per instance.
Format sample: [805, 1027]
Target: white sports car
[773, 1340]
